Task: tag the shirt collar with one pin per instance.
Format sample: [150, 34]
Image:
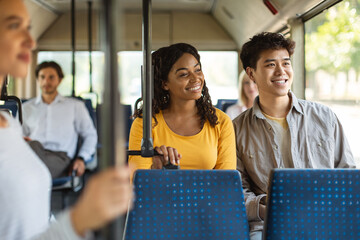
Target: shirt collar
[57, 99]
[294, 105]
[256, 109]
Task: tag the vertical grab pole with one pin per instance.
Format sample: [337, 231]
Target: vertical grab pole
[147, 149]
[112, 125]
[73, 46]
[90, 44]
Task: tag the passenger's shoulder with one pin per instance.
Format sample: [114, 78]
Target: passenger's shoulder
[222, 117]
[313, 110]
[74, 103]
[138, 121]
[29, 102]
[72, 100]
[219, 113]
[29, 106]
[315, 107]
[244, 116]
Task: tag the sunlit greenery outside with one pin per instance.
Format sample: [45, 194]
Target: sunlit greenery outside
[332, 57]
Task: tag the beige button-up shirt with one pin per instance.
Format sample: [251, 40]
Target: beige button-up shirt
[317, 140]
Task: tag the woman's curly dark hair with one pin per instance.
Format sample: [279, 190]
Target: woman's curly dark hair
[163, 60]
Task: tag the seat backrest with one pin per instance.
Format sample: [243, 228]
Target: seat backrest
[222, 104]
[89, 107]
[226, 105]
[10, 106]
[187, 204]
[313, 204]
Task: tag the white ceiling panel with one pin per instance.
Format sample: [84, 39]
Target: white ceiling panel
[244, 18]
[39, 25]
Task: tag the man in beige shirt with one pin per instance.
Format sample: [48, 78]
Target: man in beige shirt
[281, 131]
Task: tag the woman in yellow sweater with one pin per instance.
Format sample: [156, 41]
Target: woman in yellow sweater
[187, 129]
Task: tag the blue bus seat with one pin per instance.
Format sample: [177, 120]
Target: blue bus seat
[10, 107]
[187, 204]
[67, 184]
[91, 110]
[223, 104]
[313, 204]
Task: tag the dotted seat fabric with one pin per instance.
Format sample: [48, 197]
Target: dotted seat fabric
[187, 204]
[313, 204]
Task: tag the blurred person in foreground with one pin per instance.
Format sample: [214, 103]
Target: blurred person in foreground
[25, 182]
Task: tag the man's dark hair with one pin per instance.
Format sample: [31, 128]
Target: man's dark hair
[251, 50]
[163, 59]
[50, 64]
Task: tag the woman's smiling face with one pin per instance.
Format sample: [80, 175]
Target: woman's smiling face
[185, 79]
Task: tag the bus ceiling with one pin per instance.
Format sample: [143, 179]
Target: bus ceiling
[210, 24]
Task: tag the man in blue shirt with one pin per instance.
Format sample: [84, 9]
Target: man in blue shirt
[54, 124]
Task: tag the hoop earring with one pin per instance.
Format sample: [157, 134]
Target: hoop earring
[166, 98]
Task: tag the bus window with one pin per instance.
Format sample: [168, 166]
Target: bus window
[82, 83]
[220, 69]
[130, 74]
[332, 59]
[221, 74]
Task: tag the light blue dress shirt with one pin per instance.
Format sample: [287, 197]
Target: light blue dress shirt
[58, 125]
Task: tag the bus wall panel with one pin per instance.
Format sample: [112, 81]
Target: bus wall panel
[58, 35]
[199, 29]
[132, 40]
